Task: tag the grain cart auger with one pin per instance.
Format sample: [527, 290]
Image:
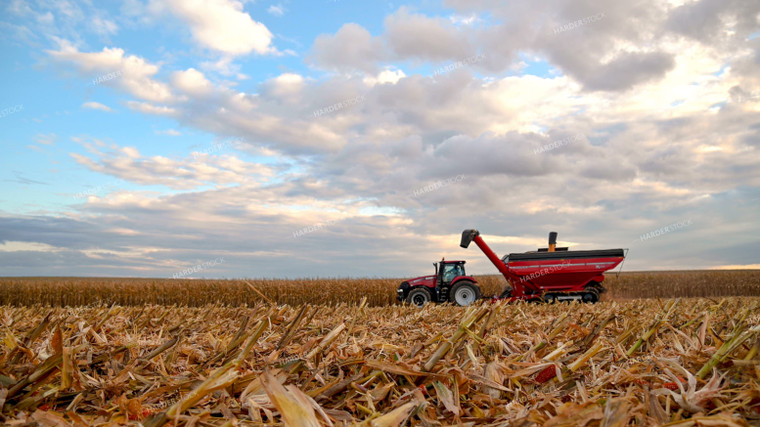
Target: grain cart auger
[550, 274]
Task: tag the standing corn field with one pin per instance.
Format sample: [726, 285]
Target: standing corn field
[63, 291]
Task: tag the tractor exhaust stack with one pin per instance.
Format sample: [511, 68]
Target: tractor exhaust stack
[552, 241]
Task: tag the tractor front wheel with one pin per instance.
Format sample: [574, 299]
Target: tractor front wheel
[418, 297]
[464, 293]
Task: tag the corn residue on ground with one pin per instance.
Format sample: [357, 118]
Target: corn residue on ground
[654, 362]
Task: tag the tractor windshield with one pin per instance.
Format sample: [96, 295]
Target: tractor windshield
[452, 271]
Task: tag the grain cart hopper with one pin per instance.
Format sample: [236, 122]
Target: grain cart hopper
[550, 274]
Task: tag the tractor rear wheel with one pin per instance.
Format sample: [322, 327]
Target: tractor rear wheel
[464, 293]
[418, 297]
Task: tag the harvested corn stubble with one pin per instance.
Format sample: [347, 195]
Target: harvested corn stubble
[686, 362]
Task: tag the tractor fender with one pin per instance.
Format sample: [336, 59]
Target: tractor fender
[468, 278]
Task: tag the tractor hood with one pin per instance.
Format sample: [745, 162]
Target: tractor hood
[422, 281]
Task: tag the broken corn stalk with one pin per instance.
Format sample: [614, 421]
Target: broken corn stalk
[220, 378]
[659, 320]
[737, 338]
[463, 330]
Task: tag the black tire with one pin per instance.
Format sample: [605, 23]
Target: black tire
[507, 293]
[550, 298]
[418, 297]
[597, 287]
[590, 296]
[464, 293]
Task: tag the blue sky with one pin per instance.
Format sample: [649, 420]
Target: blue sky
[145, 137]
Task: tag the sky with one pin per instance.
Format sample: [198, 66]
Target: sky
[338, 138]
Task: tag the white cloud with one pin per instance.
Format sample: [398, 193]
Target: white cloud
[224, 66]
[131, 152]
[104, 26]
[465, 20]
[92, 105]
[11, 246]
[111, 67]
[738, 267]
[46, 138]
[169, 132]
[276, 10]
[407, 36]
[388, 75]
[351, 48]
[287, 84]
[192, 82]
[47, 18]
[148, 108]
[290, 79]
[223, 26]
[419, 36]
[188, 173]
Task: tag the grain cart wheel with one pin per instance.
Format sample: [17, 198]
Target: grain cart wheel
[464, 293]
[590, 296]
[550, 298]
[596, 286]
[418, 297]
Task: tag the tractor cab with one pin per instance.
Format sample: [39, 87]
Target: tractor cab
[449, 270]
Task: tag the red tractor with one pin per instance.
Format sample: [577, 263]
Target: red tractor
[449, 283]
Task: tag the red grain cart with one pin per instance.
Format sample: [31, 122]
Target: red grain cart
[551, 274]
